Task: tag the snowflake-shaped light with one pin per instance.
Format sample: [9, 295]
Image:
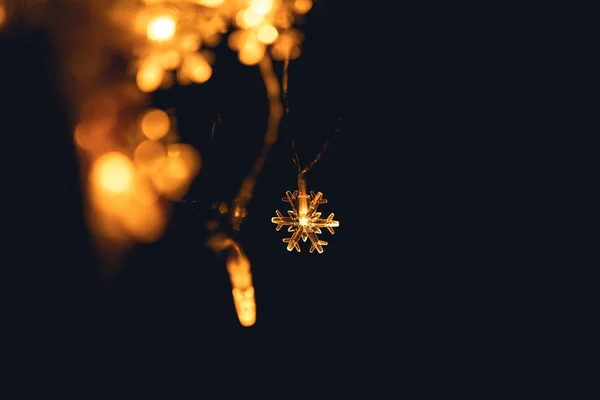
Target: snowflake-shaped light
[304, 220]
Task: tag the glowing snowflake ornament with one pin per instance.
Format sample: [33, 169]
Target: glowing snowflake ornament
[304, 220]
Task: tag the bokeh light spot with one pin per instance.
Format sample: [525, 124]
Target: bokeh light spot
[155, 124]
[161, 28]
[114, 172]
[267, 34]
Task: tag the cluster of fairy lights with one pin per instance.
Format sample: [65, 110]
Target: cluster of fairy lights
[131, 159]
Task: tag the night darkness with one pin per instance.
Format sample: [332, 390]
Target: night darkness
[410, 295]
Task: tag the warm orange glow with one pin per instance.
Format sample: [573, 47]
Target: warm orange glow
[2, 13]
[169, 59]
[133, 162]
[80, 135]
[114, 172]
[251, 53]
[240, 276]
[189, 43]
[302, 6]
[155, 124]
[149, 156]
[161, 28]
[248, 18]
[201, 73]
[144, 192]
[223, 208]
[175, 174]
[267, 34]
[145, 222]
[188, 154]
[285, 48]
[261, 7]
[197, 68]
[210, 3]
[245, 306]
[94, 135]
[283, 19]
[150, 76]
[236, 39]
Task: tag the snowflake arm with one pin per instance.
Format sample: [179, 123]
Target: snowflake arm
[281, 221]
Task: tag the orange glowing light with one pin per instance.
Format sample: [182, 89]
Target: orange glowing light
[173, 177]
[114, 172]
[150, 76]
[251, 53]
[81, 136]
[285, 48]
[149, 156]
[267, 34]
[210, 3]
[261, 7]
[155, 124]
[161, 28]
[189, 43]
[245, 306]
[144, 222]
[169, 59]
[302, 6]
[2, 13]
[197, 68]
[238, 267]
[248, 18]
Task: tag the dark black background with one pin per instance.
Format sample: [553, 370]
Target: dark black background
[420, 289]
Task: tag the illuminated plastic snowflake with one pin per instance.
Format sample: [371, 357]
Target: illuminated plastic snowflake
[304, 220]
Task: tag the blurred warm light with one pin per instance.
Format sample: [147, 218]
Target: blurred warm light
[144, 192]
[240, 276]
[3, 13]
[236, 39]
[114, 172]
[155, 124]
[161, 28]
[238, 266]
[150, 76]
[197, 68]
[285, 48]
[174, 175]
[249, 18]
[267, 34]
[245, 305]
[261, 7]
[251, 53]
[209, 3]
[189, 43]
[302, 6]
[144, 222]
[283, 19]
[169, 59]
[201, 73]
[80, 135]
[149, 156]
[162, 40]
